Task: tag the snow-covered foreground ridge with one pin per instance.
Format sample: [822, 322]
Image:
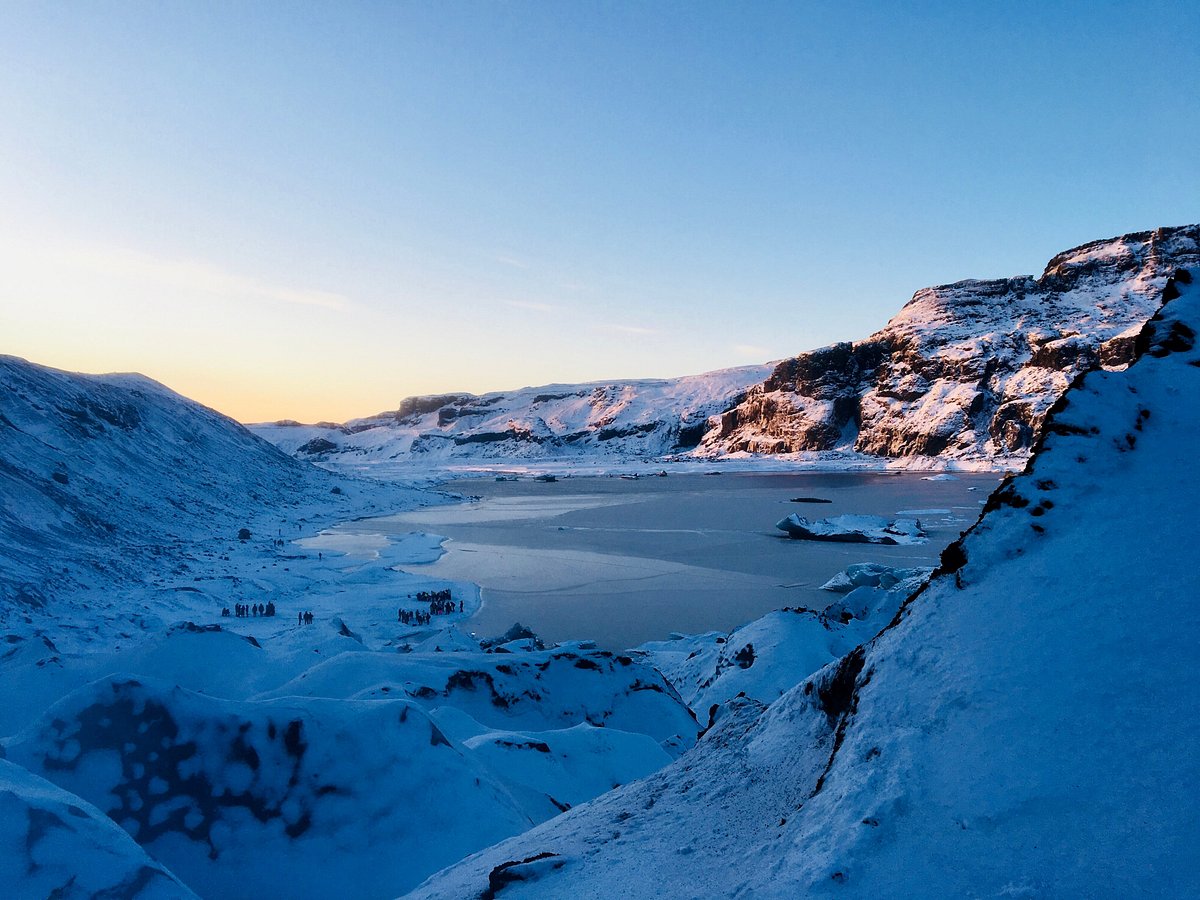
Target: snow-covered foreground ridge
[1025, 725]
[963, 375]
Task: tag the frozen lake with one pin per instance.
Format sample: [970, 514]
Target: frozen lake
[623, 562]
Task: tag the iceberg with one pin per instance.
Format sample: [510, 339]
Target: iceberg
[854, 529]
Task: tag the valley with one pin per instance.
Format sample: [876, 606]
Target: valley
[690, 685]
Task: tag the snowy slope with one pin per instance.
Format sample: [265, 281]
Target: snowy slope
[550, 689]
[599, 421]
[256, 754]
[1025, 726]
[964, 371]
[765, 658]
[114, 481]
[243, 791]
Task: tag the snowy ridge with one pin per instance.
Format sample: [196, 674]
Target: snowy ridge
[965, 371]
[619, 420]
[765, 658]
[1025, 726]
[537, 690]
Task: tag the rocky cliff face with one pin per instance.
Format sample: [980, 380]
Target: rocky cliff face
[966, 370]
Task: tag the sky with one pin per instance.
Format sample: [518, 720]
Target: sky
[313, 210]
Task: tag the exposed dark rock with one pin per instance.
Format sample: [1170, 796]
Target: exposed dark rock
[607, 434]
[315, 446]
[514, 870]
[546, 398]
[836, 693]
[690, 434]
[517, 632]
[419, 406]
[744, 658]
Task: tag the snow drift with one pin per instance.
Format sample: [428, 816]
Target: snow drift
[54, 844]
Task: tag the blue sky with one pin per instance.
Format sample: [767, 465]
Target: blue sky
[313, 210]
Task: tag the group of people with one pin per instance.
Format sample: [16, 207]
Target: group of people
[304, 618]
[412, 617]
[441, 603]
[243, 610]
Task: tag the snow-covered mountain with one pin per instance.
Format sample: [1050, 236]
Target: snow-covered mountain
[602, 421]
[1024, 726]
[964, 371]
[113, 481]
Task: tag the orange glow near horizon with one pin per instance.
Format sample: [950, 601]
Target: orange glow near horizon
[260, 351]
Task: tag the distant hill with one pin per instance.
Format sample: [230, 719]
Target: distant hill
[618, 420]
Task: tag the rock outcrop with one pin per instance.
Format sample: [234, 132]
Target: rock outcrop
[966, 370]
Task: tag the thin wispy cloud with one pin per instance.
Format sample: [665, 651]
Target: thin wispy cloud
[191, 276]
[626, 329]
[532, 305]
[512, 262]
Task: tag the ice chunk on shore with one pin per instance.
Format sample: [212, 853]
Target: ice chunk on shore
[874, 575]
[871, 591]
